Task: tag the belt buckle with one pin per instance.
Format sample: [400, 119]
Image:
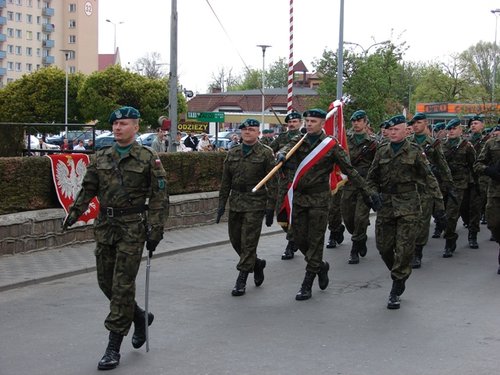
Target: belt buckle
[110, 212]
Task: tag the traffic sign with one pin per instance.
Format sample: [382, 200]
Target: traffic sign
[206, 116]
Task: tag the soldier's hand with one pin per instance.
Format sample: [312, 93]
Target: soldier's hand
[68, 221]
[280, 157]
[151, 245]
[375, 201]
[492, 172]
[269, 217]
[220, 212]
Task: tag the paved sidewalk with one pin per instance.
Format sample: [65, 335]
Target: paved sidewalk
[30, 268]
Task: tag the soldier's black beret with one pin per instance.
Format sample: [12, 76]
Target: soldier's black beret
[293, 115]
[453, 123]
[358, 115]
[475, 118]
[124, 113]
[439, 126]
[395, 120]
[249, 122]
[315, 112]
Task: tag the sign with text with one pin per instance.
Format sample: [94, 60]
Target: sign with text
[193, 127]
[206, 116]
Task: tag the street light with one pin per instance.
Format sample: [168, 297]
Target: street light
[365, 51]
[495, 12]
[263, 46]
[114, 26]
[67, 53]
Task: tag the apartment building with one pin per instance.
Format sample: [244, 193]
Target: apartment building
[38, 33]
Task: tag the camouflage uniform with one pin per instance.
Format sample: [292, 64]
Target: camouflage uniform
[312, 196]
[355, 212]
[396, 176]
[123, 186]
[489, 158]
[335, 225]
[266, 140]
[246, 209]
[460, 156]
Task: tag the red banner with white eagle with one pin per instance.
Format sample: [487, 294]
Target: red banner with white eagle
[68, 171]
[334, 126]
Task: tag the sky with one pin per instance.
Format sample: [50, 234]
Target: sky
[432, 29]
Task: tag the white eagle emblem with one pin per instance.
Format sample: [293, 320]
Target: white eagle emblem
[69, 177]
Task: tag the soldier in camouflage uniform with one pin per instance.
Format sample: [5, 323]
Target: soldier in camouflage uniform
[312, 194]
[245, 166]
[285, 177]
[460, 156]
[355, 212]
[396, 170]
[267, 137]
[130, 183]
[335, 225]
[475, 195]
[488, 164]
[435, 156]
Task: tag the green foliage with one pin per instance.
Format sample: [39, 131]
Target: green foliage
[252, 79]
[277, 74]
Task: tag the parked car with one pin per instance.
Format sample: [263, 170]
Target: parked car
[146, 139]
[108, 139]
[222, 143]
[35, 144]
[228, 133]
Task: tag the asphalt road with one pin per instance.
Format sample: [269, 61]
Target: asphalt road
[449, 321]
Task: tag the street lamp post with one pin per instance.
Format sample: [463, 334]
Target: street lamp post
[114, 34]
[493, 79]
[66, 56]
[264, 47]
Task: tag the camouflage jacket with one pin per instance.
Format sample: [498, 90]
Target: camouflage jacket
[460, 159]
[396, 176]
[240, 175]
[490, 156]
[287, 172]
[435, 156]
[266, 140]
[313, 189]
[132, 181]
[361, 155]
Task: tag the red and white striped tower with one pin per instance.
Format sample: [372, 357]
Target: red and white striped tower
[290, 64]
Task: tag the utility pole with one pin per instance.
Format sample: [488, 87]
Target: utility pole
[172, 94]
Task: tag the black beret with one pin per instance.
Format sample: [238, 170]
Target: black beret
[293, 115]
[124, 113]
[358, 115]
[315, 112]
[453, 123]
[249, 122]
[475, 118]
[395, 120]
[439, 126]
[418, 116]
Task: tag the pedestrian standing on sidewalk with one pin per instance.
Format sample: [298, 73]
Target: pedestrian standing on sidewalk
[130, 183]
[245, 166]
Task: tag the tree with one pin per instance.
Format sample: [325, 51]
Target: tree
[223, 79]
[277, 74]
[251, 79]
[150, 66]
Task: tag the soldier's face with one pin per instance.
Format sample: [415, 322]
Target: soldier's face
[124, 131]
[397, 133]
[419, 126]
[250, 135]
[293, 124]
[359, 126]
[476, 126]
[314, 125]
[455, 132]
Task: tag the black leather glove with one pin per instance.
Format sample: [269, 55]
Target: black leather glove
[375, 201]
[269, 217]
[280, 157]
[220, 212]
[68, 221]
[441, 219]
[151, 245]
[492, 172]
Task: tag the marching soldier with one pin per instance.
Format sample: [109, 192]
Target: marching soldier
[316, 156]
[267, 137]
[129, 181]
[396, 170]
[439, 167]
[285, 177]
[460, 156]
[245, 165]
[335, 225]
[488, 164]
[355, 212]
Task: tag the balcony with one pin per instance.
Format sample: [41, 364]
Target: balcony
[3, 21]
[3, 55]
[48, 12]
[3, 37]
[3, 71]
[47, 27]
[47, 60]
[3, 3]
[49, 43]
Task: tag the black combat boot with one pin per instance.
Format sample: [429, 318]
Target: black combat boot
[416, 262]
[473, 240]
[398, 287]
[437, 233]
[288, 254]
[332, 244]
[354, 256]
[338, 235]
[323, 275]
[362, 249]
[258, 271]
[139, 336]
[111, 357]
[305, 290]
[483, 219]
[241, 283]
[449, 248]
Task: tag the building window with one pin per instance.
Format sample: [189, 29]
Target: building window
[19, 17]
[29, 67]
[29, 51]
[39, 36]
[71, 55]
[10, 49]
[10, 16]
[29, 18]
[19, 2]
[38, 20]
[19, 33]
[29, 3]
[72, 39]
[72, 7]
[72, 69]
[18, 66]
[38, 52]
[39, 4]
[19, 50]
[10, 65]
[29, 35]
[10, 32]
[10, 1]
[72, 24]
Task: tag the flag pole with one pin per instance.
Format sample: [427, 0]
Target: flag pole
[289, 107]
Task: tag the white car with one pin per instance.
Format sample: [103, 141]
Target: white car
[35, 144]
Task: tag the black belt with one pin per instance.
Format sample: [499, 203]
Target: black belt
[115, 212]
[398, 189]
[314, 189]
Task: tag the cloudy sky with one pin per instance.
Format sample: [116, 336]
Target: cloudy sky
[433, 29]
